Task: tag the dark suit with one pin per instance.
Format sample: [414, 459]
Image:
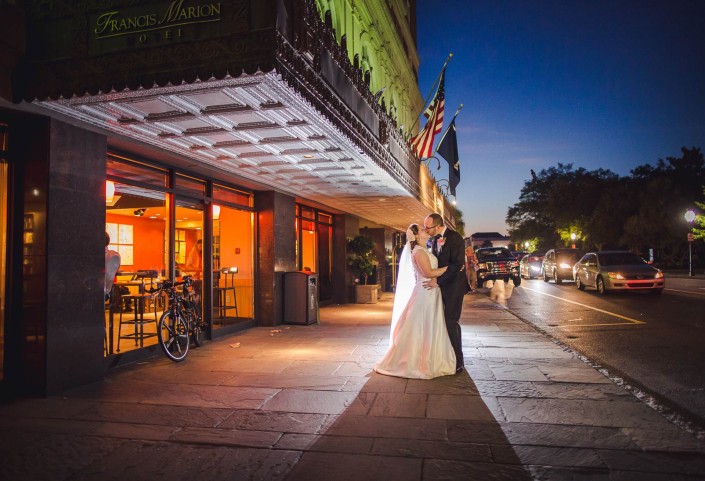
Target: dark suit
[453, 285]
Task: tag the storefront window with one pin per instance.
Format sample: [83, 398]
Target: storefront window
[136, 172]
[190, 186]
[314, 246]
[146, 200]
[137, 221]
[232, 196]
[233, 265]
[189, 235]
[308, 246]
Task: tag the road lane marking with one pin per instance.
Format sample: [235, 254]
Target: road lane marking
[687, 292]
[631, 320]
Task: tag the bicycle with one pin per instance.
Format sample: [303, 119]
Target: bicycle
[181, 321]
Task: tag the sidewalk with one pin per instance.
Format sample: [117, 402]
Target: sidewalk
[304, 404]
[697, 273]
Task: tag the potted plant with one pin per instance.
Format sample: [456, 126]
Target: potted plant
[363, 265]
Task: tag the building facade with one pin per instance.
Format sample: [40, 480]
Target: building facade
[488, 239]
[231, 141]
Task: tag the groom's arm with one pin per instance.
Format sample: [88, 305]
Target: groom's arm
[454, 248]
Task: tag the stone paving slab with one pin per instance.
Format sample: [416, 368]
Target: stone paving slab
[305, 404]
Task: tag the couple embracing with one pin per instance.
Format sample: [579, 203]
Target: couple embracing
[425, 340]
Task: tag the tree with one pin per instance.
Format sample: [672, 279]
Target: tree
[459, 222]
[641, 211]
[361, 258]
[699, 232]
[663, 192]
[605, 227]
[558, 200]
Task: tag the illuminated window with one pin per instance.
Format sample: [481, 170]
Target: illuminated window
[122, 241]
[180, 246]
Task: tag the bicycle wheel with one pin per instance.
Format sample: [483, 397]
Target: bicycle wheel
[196, 327]
[173, 336]
[198, 334]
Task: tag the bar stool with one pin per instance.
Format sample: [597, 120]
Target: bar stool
[220, 293]
[113, 304]
[139, 305]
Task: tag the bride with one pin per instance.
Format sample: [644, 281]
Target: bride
[419, 346]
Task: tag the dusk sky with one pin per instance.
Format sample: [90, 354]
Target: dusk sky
[600, 84]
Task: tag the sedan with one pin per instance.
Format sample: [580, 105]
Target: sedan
[530, 266]
[617, 270]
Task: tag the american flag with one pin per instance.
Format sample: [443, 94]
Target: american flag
[423, 142]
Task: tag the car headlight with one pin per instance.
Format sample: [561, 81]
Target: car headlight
[615, 275]
[659, 275]
[563, 265]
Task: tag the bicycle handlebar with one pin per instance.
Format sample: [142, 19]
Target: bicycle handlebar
[167, 284]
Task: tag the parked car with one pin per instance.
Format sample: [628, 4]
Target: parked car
[558, 264]
[617, 270]
[496, 263]
[530, 266]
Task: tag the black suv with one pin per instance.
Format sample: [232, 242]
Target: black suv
[558, 264]
[496, 263]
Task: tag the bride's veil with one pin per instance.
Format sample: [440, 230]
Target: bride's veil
[405, 285]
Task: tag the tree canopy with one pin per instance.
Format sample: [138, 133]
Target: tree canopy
[641, 211]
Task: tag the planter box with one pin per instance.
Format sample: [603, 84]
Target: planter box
[366, 294]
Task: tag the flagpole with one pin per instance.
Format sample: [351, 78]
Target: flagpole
[460, 107]
[433, 91]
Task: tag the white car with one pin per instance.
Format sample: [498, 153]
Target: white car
[530, 266]
[617, 270]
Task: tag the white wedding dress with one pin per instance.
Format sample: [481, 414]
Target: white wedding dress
[419, 345]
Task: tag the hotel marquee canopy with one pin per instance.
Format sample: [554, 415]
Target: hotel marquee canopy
[257, 89]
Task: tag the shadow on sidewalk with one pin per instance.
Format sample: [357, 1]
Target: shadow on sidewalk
[404, 429]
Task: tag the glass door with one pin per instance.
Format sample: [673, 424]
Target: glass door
[325, 256]
[136, 227]
[233, 265]
[189, 242]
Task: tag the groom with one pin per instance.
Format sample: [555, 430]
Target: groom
[449, 247]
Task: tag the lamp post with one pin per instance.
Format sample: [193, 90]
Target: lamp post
[689, 218]
[572, 237]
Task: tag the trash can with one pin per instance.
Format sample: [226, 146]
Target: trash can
[300, 297]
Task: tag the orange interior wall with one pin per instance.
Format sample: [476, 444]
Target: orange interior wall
[148, 240]
[236, 233]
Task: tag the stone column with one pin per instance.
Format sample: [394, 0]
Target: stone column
[75, 256]
[276, 253]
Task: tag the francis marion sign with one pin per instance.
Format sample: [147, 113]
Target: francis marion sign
[136, 27]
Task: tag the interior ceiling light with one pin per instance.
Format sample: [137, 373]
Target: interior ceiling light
[109, 191]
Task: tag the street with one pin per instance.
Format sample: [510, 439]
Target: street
[653, 342]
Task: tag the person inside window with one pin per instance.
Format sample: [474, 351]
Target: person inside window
[112, 264]
[194, 261]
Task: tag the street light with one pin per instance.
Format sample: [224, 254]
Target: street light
[573, 237]
[689, 218]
